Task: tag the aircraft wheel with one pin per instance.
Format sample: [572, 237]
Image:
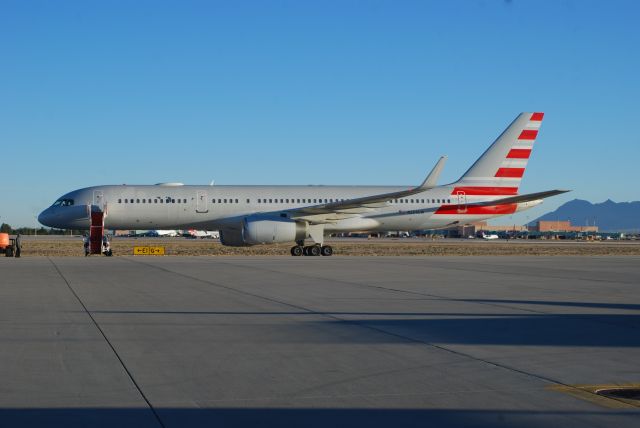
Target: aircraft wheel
[296, 251]
[326, 250]
[314, 250]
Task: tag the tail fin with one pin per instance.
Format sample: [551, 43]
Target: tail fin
[500, 168]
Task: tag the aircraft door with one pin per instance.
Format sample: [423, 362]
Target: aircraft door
[202, 205]
[98, 199]
[462, 202]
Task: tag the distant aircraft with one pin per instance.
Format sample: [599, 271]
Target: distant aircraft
[204, 234]
[251, 215]
[159, 233]
[489, 236]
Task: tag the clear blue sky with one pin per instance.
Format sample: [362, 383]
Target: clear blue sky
[300, 92]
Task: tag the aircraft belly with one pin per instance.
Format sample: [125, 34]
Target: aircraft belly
[353, 225]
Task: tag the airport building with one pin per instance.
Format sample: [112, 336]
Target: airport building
[539, 228]
[472, 229]
[559, 226]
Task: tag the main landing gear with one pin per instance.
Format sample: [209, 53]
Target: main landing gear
[312, 250]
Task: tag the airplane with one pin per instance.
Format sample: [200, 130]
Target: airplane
[161, 233]
[253, 215]
[489, 236]
[202, 234]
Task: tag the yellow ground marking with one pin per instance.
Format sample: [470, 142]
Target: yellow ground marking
[148, 251]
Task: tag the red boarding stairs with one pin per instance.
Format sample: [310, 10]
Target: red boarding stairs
[96, 232]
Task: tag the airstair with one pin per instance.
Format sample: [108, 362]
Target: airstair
[96, 232]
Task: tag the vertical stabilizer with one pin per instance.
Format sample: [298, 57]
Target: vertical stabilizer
[500, 168]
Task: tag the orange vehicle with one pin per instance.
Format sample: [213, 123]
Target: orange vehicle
[7, 245]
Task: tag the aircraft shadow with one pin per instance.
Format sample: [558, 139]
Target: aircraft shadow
[589, 330]
[307, 417]
[533, 329]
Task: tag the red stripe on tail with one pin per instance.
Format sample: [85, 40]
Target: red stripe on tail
[510, 172]
[537, 116]
[528, 134]
[519, 154]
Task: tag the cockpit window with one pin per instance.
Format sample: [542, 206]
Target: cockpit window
[63, 203]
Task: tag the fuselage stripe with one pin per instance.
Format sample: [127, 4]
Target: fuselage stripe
[485, 190]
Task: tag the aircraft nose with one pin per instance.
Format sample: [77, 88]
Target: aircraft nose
[44, 217]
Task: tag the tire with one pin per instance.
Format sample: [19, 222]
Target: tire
[326, 251]
[8, 252]
[297, 251]
[314, 250]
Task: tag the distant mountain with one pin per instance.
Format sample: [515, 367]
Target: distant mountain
[609, 216]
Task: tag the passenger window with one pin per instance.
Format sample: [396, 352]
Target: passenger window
[119, 201]
[248, 201]
[236, 201]
[225, 201]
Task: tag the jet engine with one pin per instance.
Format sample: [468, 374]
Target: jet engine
[261, 230]
[264, 230]
[232, 238]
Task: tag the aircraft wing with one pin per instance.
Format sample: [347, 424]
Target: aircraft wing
[520, 198]
[333, 211]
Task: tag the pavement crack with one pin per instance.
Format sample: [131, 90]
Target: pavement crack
[104, 336]
[358, 323]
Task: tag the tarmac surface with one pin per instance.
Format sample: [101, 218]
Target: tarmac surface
[340, 342]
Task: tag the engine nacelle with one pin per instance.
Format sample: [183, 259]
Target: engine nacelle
[232, 238]
[261, 230]
[264, 230]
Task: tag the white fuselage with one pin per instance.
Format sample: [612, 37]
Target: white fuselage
[219, 207]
